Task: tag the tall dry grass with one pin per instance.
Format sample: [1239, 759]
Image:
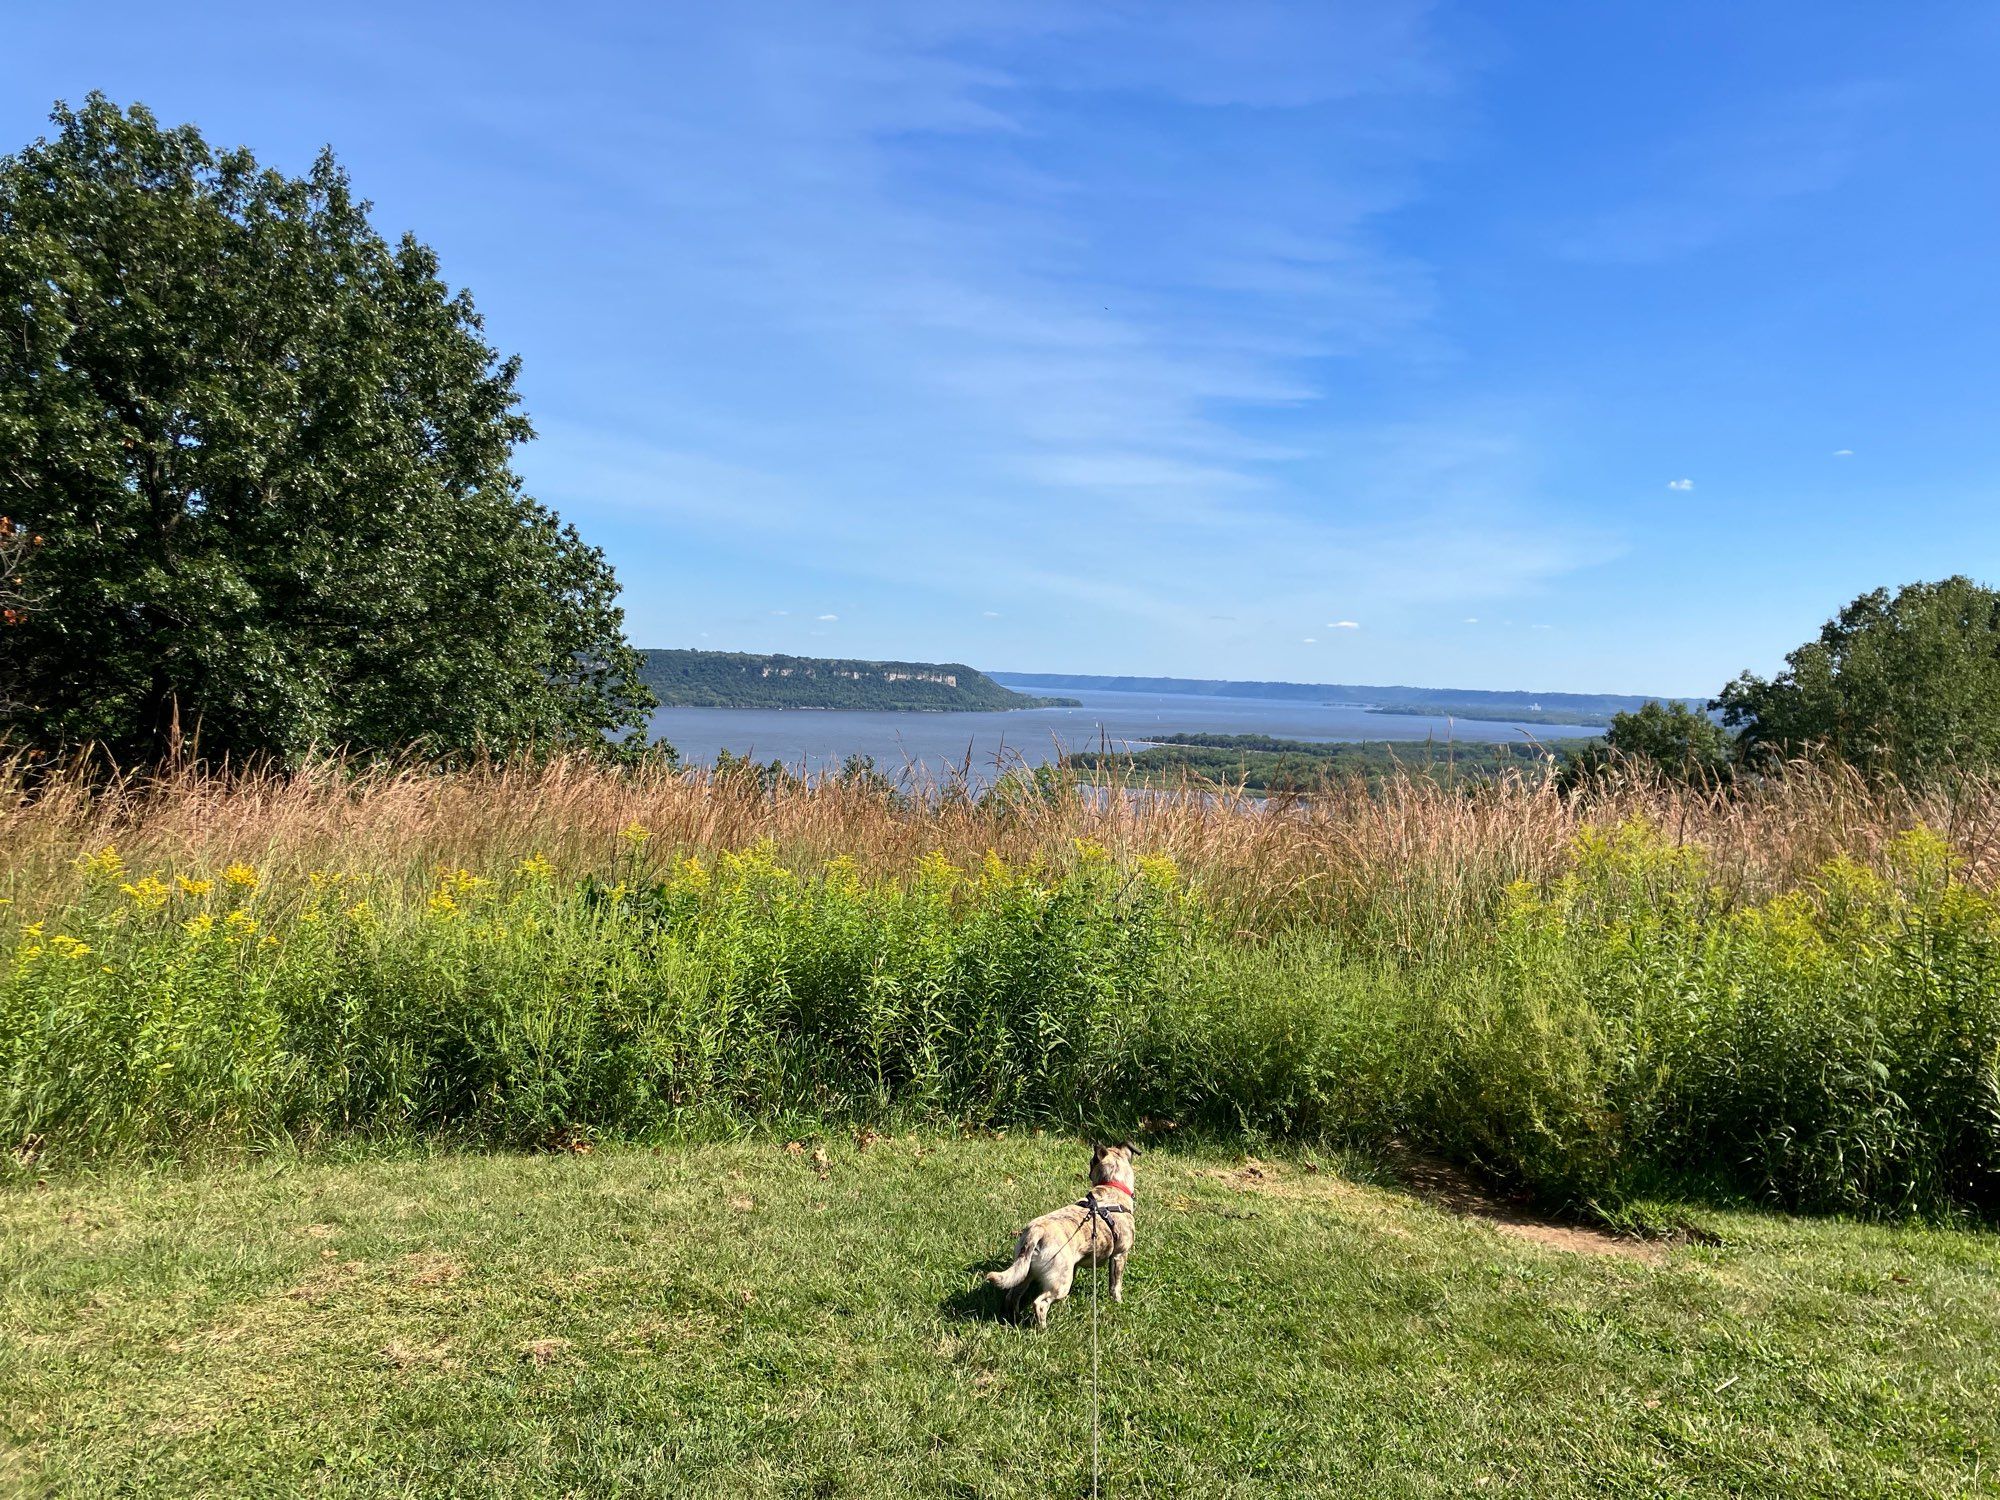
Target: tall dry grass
[1787, 990]
[1404, 865]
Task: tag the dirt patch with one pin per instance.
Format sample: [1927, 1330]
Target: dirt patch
[1294, 1180]
[428, 1268]
[1445, 1186]
[399, 1356]
[542, 1352]
[328, 1282]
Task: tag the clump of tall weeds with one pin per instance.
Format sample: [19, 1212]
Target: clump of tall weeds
[1790, 992]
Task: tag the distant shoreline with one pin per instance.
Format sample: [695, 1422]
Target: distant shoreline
[1582, 710]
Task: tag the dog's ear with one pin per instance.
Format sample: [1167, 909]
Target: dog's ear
[1130, 1149]
[1097, 1150]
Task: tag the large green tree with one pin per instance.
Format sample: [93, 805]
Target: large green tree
[268, 456]
[1903, 683]
[1661, 739]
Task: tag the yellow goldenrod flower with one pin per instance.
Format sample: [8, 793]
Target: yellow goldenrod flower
[242, 875]
[935, 869]
[360, 911]
[198, 924]
[194, 887]
[1090, 852]
[635, 834]
[147, 893]
[240, 923]
[534, 867]
[269, 942]
[442, 904]
[68, 946]
[104, 863]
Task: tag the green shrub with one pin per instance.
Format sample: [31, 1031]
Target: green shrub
[1836, 1047]
[1627, 1028]
[515, 1010]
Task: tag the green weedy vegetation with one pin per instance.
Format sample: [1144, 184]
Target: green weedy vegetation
[1626, 1028]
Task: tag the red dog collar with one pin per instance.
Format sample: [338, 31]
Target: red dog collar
[1121, 1188]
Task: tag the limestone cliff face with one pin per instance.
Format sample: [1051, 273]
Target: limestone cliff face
[861, 674]
[736, 679]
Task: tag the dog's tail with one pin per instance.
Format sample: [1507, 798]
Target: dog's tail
[1017, 1273]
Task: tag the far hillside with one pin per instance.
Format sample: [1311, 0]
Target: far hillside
[741, 679]
[1516, 706]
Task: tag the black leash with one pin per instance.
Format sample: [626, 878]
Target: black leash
[1092, 1212]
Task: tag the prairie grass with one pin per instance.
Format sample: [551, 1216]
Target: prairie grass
[1408, 866]
[1790, 994]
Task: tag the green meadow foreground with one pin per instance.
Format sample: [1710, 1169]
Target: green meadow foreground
[748, 1319]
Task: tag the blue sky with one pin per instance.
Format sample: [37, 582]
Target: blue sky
[1556, 346]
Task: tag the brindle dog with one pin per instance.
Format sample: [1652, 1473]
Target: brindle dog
[1097, 1229]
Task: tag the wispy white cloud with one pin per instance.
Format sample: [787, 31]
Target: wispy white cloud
[1680, 484]
[828, 617]
[979, 299]
[1343, 624]
[1733, 170]
[1843, 453]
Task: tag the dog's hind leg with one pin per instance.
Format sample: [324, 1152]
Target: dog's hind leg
[1042, 1309]
[1118, 1276]
[1058, 1285]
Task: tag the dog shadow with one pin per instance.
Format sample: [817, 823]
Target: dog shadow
[979, 1301]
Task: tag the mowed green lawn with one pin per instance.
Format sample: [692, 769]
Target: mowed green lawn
[734, 1319]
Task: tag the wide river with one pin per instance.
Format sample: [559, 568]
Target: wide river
[937, 744]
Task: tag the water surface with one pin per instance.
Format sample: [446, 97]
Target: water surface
[939, 744]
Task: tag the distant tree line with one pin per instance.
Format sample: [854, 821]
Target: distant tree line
[1266, 764]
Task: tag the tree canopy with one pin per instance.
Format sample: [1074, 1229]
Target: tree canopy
[1903, 683]
[267, 456]
[1683, 742]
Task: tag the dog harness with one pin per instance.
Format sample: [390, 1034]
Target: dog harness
[1093, 1211]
